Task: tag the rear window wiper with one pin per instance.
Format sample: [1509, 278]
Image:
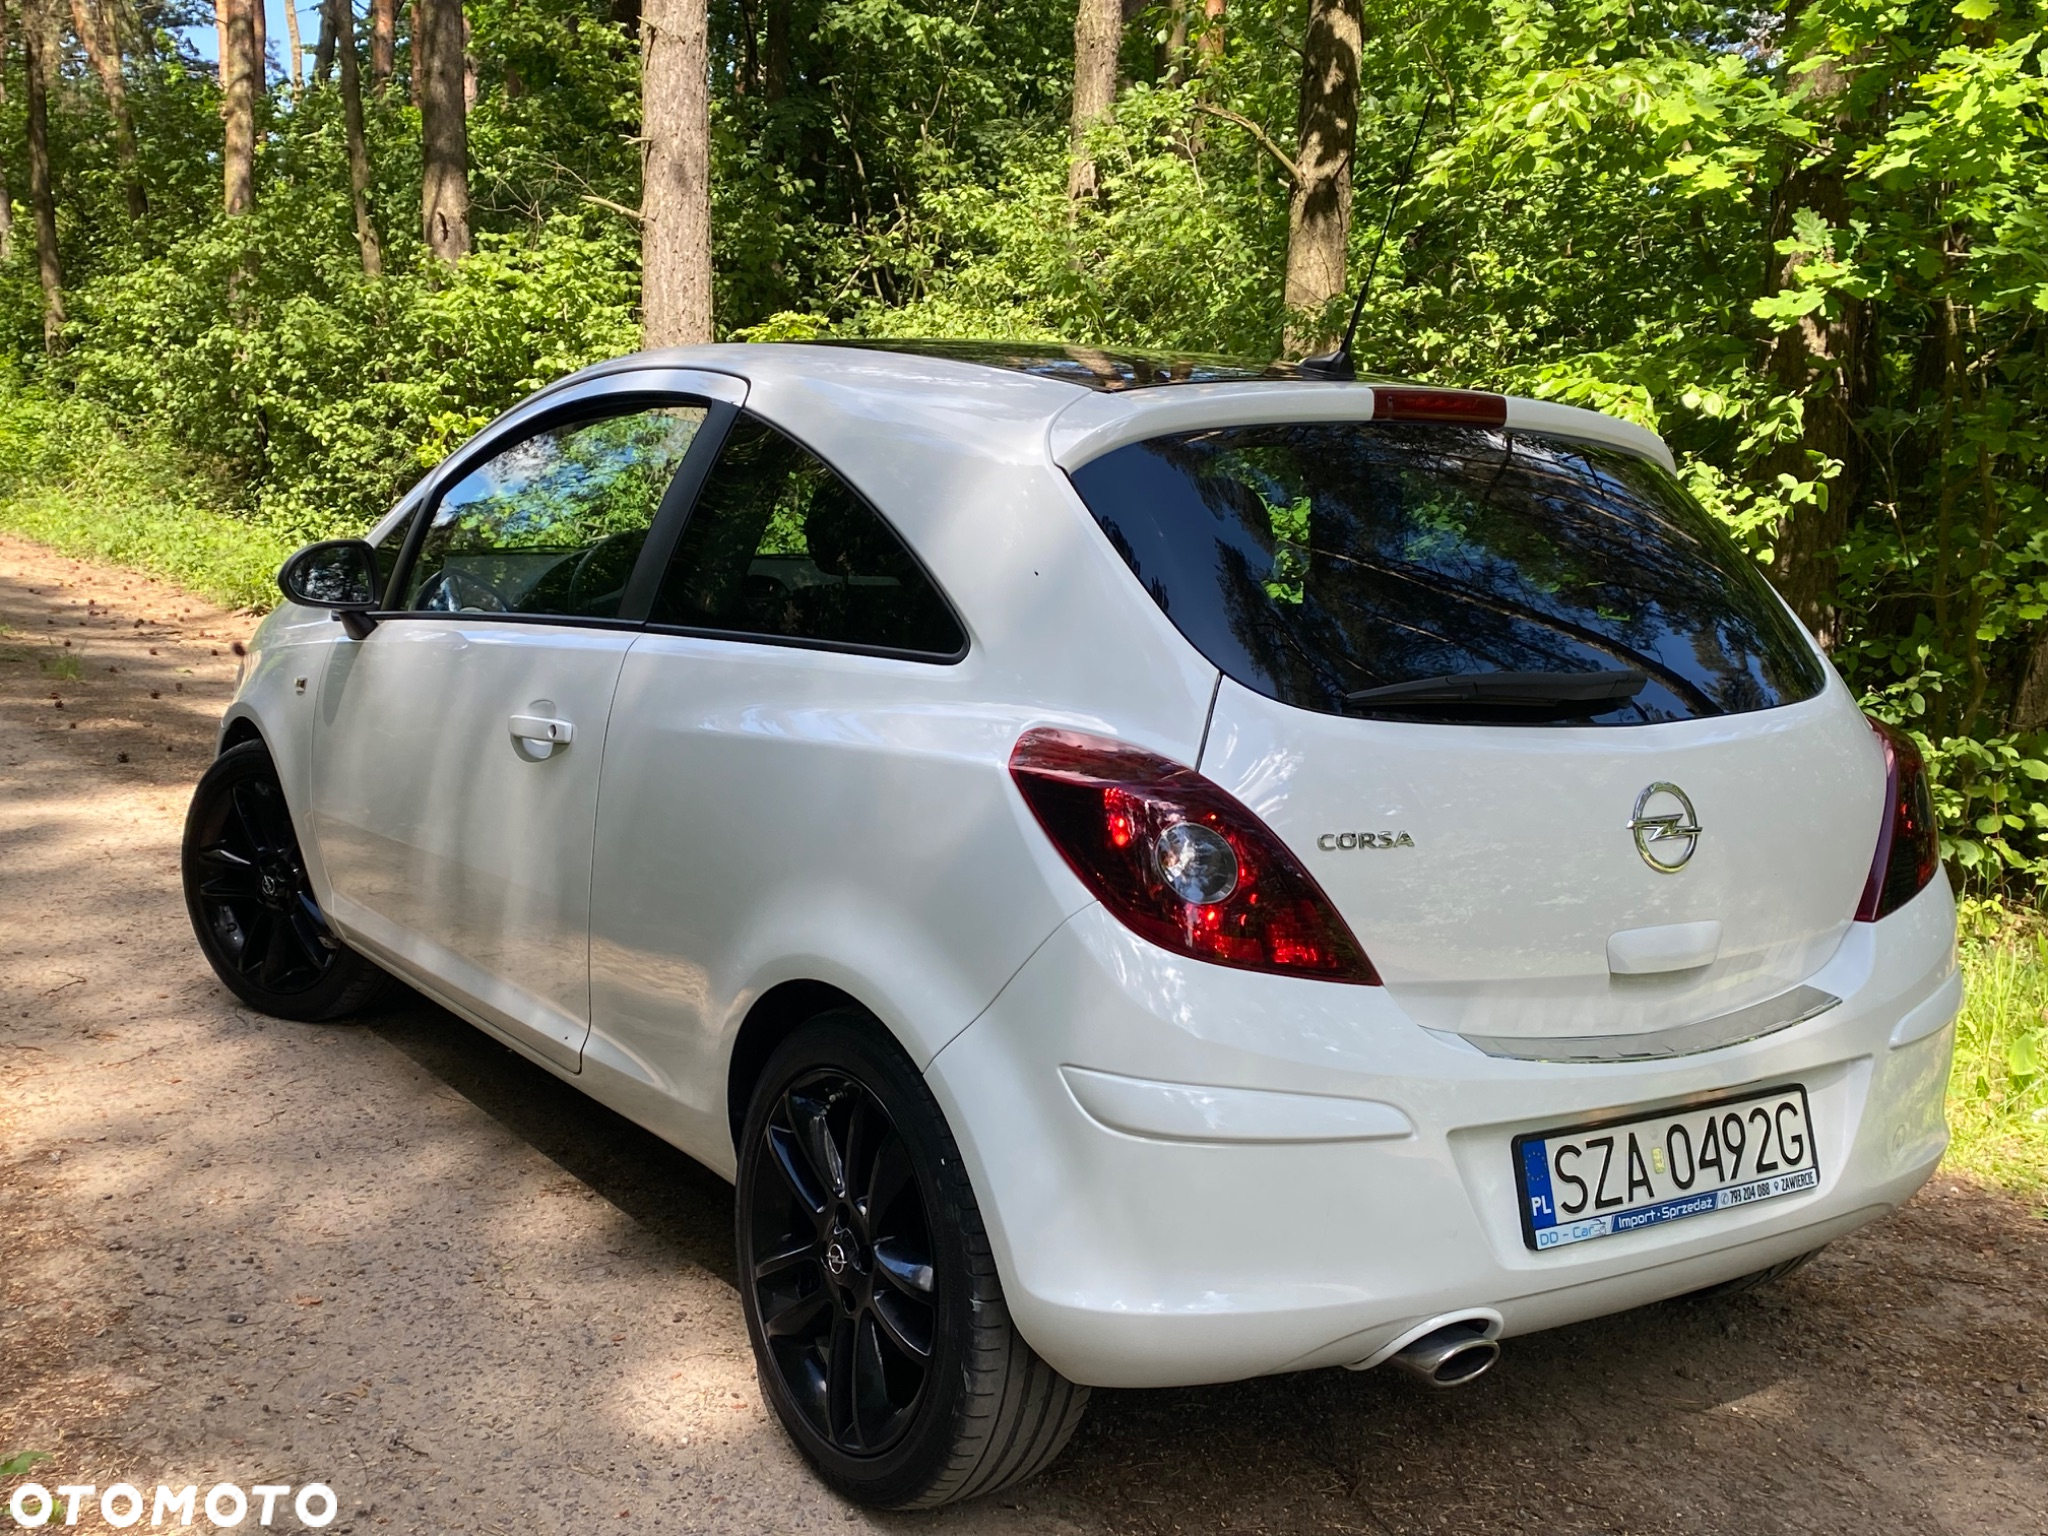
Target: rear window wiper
[1527, 689]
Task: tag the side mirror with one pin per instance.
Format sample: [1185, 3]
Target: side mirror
[339, 574]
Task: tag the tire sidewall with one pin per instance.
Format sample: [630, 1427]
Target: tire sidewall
[848, 1041]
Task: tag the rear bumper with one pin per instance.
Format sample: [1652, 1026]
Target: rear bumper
[1350, 1181]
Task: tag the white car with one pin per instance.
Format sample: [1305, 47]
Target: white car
[1145, 871]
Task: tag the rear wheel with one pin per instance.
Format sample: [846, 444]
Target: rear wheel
[871, 1296]
[254, 912]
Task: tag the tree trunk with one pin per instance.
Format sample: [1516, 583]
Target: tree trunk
[94, 24]
[238, 103]
[358, 147]
[412, 21]
[675, 200]
[259, 53]
[444, 130]
[383, 43]
[323, 50]
[775, 68]
[1212, 32]
[1098, 35]
[35, 37]
[1819, 361]
[1319, 214]
[1172, 60]
[296, 68]
[6, 194]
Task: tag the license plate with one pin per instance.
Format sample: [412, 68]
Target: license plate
[1623, 1175]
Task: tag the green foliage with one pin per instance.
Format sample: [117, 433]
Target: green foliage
[1998, 1088]
[18, 1465]
[70, 477]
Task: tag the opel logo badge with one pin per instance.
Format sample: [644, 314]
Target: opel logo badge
[835, 1258]
[1666, 828]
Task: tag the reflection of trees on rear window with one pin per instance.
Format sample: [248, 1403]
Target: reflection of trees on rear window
[1315, 561]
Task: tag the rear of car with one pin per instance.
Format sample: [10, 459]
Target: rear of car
[1571, 939]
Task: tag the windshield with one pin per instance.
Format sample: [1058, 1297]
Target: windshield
[1318, 562]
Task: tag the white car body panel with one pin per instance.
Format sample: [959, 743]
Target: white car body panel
[452, 848]
[1189, 1173]
[1497, 921]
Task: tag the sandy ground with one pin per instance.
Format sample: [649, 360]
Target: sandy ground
[399, 1260]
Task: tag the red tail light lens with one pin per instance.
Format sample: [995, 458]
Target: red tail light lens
[1402, 402]
[1179, 861]
[1908, 849]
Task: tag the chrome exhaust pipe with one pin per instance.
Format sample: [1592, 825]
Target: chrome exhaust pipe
[1451, 1356]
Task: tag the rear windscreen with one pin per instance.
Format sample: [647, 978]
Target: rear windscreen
[1319, 561]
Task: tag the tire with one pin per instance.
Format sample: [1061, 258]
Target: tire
[1750, 1282]
[860, 1268]
[255, 915]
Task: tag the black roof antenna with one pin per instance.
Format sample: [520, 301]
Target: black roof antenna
[1337, 364]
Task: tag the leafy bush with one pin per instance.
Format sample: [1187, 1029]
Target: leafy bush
[1998, 1089]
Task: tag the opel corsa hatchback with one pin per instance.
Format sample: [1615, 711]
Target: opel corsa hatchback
[1144, 871]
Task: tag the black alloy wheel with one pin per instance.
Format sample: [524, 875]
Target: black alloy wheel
[869, 1286]
[842, 1256]
[251, 904]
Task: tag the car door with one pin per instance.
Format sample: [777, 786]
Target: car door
[785, 720]
[456, 748]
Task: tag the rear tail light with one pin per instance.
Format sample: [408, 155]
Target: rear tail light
[1181, 862]
[1404, 402]
[1908, 849]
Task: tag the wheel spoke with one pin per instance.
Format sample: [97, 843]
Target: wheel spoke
[862, 1132]
[235, 886]
[908, 1272]
[797, 1252]
[791, 1164]
[839, 1388]
[306, 931]
[808, 1118]
[277, 953]
[223, 857]
[904, 1324]
[875, 1413]
[255, 940]
[892, 1173]
[794, 1319]
[250, 813]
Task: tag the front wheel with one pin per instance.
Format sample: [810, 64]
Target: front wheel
[871, 1296]
[258, 923]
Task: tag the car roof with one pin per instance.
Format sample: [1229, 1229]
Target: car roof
[1088, 400]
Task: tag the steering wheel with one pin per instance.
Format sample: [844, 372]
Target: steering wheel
[457, 592]
[578, 597]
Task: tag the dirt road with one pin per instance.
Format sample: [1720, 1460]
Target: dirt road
[398, 1260]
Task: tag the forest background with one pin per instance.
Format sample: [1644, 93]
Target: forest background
[246, 303]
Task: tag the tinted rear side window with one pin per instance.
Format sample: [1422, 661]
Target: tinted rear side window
[781, 546]
[1312, 562]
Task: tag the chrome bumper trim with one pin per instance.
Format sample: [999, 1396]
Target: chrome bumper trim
[1751, 1023]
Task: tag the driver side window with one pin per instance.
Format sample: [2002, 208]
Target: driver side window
[553, 524]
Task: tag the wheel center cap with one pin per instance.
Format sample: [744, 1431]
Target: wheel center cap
[837, 1260]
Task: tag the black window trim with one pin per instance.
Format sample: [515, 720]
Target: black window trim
[668, 517]
[796, 642]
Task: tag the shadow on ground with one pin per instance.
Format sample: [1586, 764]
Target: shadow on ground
[674, 1198]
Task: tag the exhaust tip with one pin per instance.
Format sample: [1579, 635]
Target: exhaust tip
[1451, 1356]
